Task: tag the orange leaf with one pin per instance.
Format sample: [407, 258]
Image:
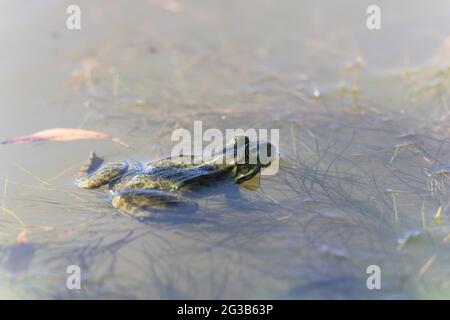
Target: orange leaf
[60, 134]
[22, 238]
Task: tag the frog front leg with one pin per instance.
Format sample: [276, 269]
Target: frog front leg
[93, 174]
[144, 203]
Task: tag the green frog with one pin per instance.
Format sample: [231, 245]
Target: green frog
[143, 190]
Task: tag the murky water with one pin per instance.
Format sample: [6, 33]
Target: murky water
[363, 136]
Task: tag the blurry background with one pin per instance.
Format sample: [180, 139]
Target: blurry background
[361, 114]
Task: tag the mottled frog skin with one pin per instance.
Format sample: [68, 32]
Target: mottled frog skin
[141, 190]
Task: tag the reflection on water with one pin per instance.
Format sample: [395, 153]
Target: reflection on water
[364, 143]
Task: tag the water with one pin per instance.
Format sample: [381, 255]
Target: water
[352, 190]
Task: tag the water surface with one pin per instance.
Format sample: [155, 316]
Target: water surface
[361, 114]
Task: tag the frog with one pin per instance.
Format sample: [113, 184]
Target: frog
[143, 190]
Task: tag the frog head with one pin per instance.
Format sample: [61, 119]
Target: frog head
[245, 157]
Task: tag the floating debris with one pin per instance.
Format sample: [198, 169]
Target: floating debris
[333, 252]
[438, 179]
[405, 146]
[389, 120]
[411, 146]
[336, 127]
[316, 93]
[438, 170]
[407, 135]
[61, 134]
[446, 238]
[438, 214]
[308, 200]
[410, 237]
[358, 156]
[333, 215]
[426, 266]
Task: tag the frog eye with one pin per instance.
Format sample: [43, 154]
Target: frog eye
[240, 141]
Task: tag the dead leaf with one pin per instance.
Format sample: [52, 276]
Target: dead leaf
[61, 134]
[22, 238]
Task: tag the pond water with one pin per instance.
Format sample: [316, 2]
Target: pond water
[364, 146]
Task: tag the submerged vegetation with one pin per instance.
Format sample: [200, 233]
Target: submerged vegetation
[353, 189]
[364, 172]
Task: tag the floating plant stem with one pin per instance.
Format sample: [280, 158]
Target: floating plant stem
[438, 215]
[394, 155]
[395, 208]
[392, 193]
[422, 214]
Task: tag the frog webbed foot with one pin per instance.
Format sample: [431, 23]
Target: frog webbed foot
[93, 175]
[145, 203]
